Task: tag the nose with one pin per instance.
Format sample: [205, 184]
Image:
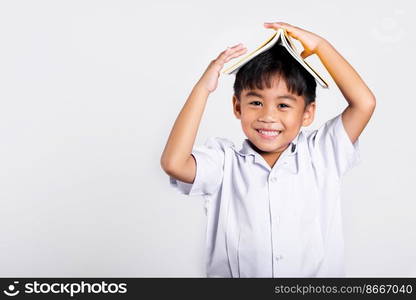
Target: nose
[267, 114]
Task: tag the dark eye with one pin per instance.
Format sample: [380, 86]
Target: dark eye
[255, 103]
[284, 105]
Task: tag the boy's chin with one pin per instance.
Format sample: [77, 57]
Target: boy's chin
[269, 147]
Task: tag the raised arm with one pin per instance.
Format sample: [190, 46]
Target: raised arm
[176, 159]
[361, 101]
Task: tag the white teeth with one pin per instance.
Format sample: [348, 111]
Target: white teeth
[269, 133]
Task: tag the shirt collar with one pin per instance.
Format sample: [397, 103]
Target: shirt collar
[287, 159]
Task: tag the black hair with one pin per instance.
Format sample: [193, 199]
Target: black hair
[275, 61]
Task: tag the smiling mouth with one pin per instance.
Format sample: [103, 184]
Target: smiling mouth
[268, 134]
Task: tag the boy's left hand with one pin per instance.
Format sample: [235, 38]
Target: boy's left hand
[310, 41]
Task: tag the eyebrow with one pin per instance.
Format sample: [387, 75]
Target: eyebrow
[286, 96]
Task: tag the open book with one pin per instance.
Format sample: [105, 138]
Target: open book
[281, 37]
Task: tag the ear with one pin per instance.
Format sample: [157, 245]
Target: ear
[236, 107]
[309, 114]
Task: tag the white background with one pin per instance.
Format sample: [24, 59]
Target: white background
[89, 91]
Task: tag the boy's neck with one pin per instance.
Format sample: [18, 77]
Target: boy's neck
[270, 157]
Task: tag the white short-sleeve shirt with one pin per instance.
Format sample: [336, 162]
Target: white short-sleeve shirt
[283, 221]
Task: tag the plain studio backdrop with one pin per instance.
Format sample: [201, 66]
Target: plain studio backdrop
[89, 91]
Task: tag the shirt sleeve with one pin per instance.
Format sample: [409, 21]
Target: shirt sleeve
[209, 169]
[332, 148]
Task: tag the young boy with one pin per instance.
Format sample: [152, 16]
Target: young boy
[273, 206]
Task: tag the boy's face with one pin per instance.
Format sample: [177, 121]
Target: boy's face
[271, 118]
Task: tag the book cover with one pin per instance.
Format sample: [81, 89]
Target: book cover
[280, 37]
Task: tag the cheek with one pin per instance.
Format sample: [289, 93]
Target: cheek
[247, 119]
[294, 122]
[292, 116]
[246, 124]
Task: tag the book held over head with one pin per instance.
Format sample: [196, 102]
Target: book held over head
[280, 37]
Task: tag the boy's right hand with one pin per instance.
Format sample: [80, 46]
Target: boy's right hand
[209, 80]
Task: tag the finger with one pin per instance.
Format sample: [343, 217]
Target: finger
[305, 54]
[230, 51]
[278, 24]
[275, 25]
[237, 51]
[227, 51]
[293, 31]
[235, 54]
[232, 48]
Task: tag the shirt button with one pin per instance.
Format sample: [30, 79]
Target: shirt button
[279, 257]
[273, 179]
